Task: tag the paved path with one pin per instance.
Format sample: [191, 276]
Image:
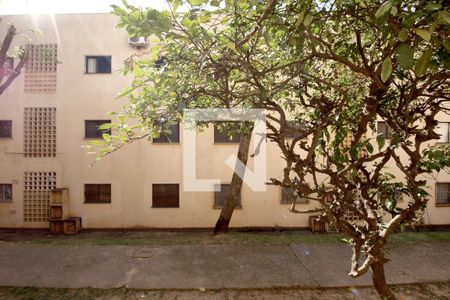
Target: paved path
[209, 266]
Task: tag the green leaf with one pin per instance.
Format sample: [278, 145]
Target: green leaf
[369, 148]
[126, 91]
[381, 140]
[215, 3]
[231, 45]
[197, 2]
[423, 63]
[423, 34]
[405, 56]
[403, 35]
[308, 20]
[386, 69]
[444, 15]
[300, 19]
[105, 126]
[383, 9]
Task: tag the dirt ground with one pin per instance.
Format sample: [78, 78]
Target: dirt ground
[435, 291]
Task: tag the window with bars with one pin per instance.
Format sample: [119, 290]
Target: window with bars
[40, 68]
[294, 129]
[289, 195]
[384, 129]
[36, 195]
[443, 194]
[40, 132]
[171, 135]
[98, 64]
[221, 196]
[8, 65]
[92, 129]
[5, 128]
[165, 195]
[443, 129]
[97, 193]
[6, 190]
[228, 134]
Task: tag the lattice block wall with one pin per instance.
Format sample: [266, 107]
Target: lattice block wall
[40, 71]
[40, 132]
[36, 195]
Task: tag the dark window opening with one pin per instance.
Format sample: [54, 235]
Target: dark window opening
[289, 195]
[442, 194]
[171, 135]
[97, 193]
[5, 128]
[5, 192]
[9, 63]
[384, 129]
[165, 195]
[227, 134]
[92, 128]
[443, 129]
[294, 129]
[98, 64]
[221, 197]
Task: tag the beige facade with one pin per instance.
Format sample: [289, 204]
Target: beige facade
[132, 171]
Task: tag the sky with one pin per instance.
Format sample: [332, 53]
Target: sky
[17, 7]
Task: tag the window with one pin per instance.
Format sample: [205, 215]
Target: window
[97, 193]
[40, 68]
[98, 64]
[40, 132]
[5, 192]
[5, 128]
[165, 195]
[289, 195]
[169, 135]
[160, 62]
[92, 129]
[384, 129]
[9, 63]
[221, 197]
[293, 129]
[443, 129]
[442, 194]
[227, 134]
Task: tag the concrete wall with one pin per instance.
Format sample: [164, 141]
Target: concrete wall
[133, 170]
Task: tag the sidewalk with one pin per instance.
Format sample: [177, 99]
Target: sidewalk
[210, 266]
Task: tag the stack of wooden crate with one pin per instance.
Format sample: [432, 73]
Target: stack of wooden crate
[60, 222]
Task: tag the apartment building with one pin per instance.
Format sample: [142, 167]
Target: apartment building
[55, 106]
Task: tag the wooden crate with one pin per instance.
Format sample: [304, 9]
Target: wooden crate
[60, 197]
[56, 227]
[56, 211]
[316, 225]
[72, 225]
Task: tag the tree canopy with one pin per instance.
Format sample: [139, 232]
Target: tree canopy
[326, 71]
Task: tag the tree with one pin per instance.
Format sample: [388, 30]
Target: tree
[206, 65]
[333, 67]
[400, 52]
[7, 72]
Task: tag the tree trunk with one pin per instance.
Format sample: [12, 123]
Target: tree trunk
[236, 185]
[379, 281]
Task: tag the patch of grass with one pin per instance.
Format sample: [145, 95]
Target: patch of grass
[133, 238]
[189, 238]
[431, 236]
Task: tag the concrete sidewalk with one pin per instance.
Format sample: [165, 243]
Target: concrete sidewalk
[210, 266]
